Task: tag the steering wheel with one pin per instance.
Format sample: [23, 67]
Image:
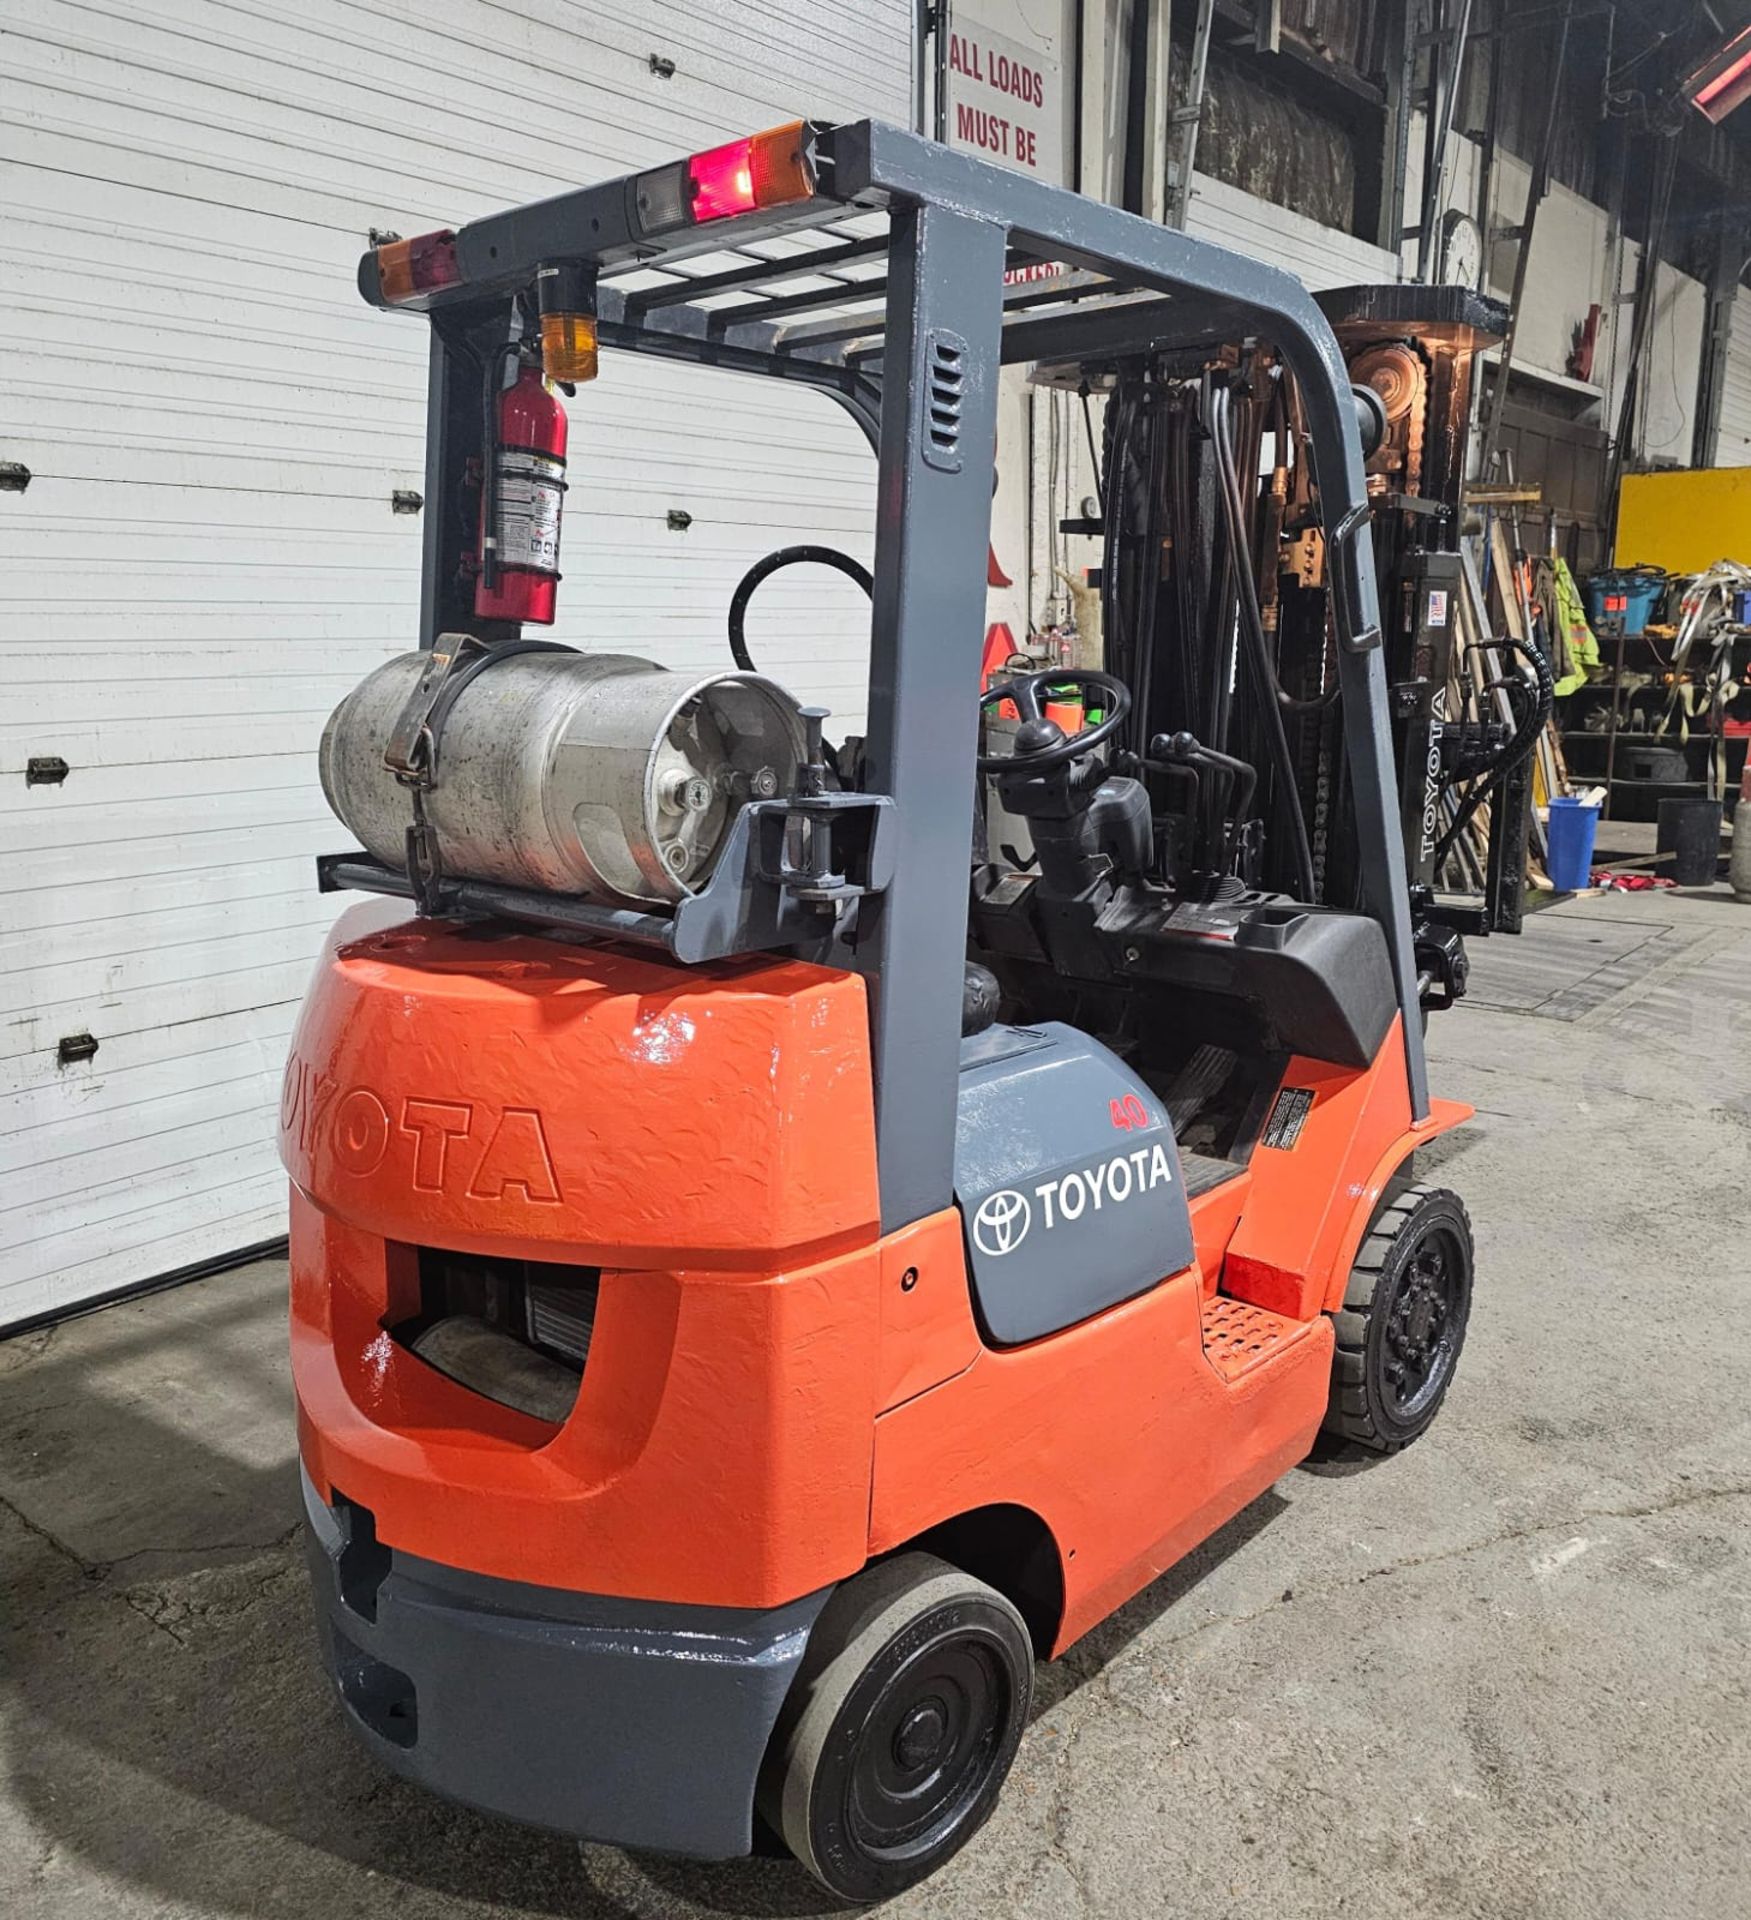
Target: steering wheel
[1041, 744]
[764, 569]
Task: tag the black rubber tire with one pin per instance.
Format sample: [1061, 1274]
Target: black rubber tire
[1402, 1324]
[910, 1657]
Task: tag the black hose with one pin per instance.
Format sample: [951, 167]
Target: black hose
[1252, 622]
[1093, 453]
[1114, 626]
[1149, 583]
[1517, 750]
[494, 382]
[764, 569]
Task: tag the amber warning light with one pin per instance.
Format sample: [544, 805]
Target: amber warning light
[765, 170]
[565, 296]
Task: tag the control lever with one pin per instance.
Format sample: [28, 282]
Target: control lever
[1185, 753]
[1187, 750]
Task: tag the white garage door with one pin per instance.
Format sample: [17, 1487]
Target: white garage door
[1318, 256]
[206, 557]
[1733, 442]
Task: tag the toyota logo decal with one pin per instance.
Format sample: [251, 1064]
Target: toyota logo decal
[1001, 1224]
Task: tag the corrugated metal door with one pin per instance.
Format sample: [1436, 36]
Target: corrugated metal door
[1733, 441]
[207, 555]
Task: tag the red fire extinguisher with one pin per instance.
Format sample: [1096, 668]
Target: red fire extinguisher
[520, 503]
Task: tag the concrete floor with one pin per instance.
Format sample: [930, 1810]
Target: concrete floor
[1505, 1675]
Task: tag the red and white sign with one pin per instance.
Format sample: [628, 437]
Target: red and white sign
[1034, 271]
[1005, 99]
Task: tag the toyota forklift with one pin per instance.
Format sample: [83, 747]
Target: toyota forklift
[774, 1253]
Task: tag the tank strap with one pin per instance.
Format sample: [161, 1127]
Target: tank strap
[412, 751]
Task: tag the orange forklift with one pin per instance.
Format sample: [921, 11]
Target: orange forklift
[788, 1232]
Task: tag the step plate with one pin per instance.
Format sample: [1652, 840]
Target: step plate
[1201, 1172]
[1238, 1337]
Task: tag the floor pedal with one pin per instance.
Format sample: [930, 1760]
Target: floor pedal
[1239, 1337]
[1200, 1077]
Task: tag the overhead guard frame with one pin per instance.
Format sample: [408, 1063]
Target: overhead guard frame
[937, 287]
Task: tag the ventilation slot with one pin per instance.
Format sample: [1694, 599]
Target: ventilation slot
[562, 1318]
[514, 1331]
[945, 379]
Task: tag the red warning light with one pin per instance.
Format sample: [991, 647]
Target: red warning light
[723, 181]
[765, 170]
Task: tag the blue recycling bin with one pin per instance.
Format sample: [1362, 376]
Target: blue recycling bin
[1573, 824]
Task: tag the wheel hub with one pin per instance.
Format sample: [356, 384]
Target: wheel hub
[931, 1734]
[919, 1739]
[1418, 1338]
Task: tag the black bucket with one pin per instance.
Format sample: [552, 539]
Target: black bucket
[1653, 763]
[1690, 831]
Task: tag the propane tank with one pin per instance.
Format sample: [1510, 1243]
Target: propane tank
[519, 550]
[591, 773]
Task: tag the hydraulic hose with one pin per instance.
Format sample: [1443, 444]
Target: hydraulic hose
[1258, 650]
[764, 569]
[1114, 624]
[1517, 750]
[1148, 628]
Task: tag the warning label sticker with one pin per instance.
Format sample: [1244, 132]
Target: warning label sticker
[1288, 1117]
[530, 489]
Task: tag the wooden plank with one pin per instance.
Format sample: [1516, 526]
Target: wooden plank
[1482, 496]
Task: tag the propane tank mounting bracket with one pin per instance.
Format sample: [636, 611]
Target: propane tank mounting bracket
[747, 905]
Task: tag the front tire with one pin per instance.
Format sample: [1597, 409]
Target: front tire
[1403, 1321]
[900, 1729]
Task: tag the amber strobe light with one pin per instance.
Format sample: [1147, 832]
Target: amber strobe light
[407, 268]
[565, 297]
[765, 170]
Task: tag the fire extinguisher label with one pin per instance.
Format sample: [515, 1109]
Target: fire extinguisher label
[530, 489]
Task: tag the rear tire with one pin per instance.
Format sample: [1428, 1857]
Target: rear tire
[1403, 1321]
[900, 1728]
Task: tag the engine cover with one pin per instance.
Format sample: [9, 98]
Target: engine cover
[1068, 1181]
[492, 1092]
